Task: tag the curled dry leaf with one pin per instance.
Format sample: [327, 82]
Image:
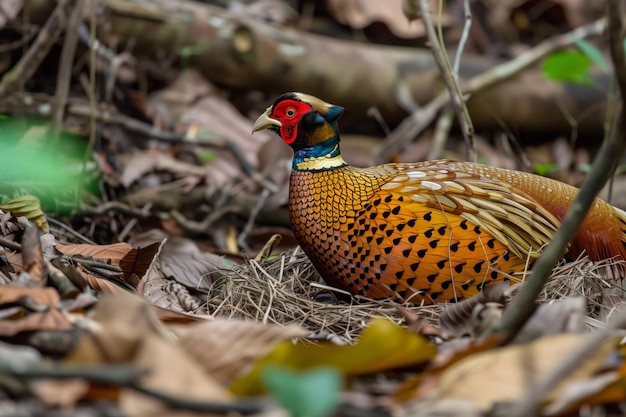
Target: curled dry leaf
[9, 227]
[132, 261]
[166, 293]
[504, 374]
[182, 260]
[226, 347]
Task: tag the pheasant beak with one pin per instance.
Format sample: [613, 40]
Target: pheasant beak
[264, 121]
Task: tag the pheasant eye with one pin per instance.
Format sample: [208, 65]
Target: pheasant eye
[290, 113]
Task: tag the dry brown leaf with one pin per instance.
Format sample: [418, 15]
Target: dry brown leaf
[504, 374]
[114, 253]
[181, 260]
[9, 227]
[132, 261]
[601, 389]
[32, 257]
[193, 101]
[52, 319]
[227, 347]
[138, 260]
[100, 284]
[38, 295]
[142, 163]
[171, 370]
[115, 331]
[359, 14]
[164, 292]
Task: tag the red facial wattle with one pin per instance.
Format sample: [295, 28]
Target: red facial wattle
[289, 113]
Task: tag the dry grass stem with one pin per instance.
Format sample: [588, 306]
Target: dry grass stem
[283, 291]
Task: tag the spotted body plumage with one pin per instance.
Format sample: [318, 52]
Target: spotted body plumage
[426, 232]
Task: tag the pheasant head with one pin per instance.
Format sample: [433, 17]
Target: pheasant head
[309, 126]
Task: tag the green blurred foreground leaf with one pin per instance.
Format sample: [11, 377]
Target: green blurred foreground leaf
[314, 393]
[30, 164]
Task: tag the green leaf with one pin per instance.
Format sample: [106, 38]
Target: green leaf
[207, 156]
[592, 52]
[29, 207]
[572, 66]
[544, 169]
[187, 51]
[315, 393]
[584, 167]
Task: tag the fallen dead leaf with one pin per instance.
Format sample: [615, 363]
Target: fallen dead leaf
[114, 332]
[172, 371]
[226, 347]
[361, 13]
[503, 374]
[166, 293]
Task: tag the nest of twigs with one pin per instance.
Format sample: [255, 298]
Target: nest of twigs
[285, 290]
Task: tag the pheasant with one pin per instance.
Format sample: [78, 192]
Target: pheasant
[427, 232]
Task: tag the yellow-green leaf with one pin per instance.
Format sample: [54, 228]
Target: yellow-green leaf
[382, 346]
[29, 207]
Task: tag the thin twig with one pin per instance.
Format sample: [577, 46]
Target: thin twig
[243, 236]
[34, 56]
[418, 121]
[126, 376]
[92, 104]
[10, 244]
[65, 68]
[450, 80]
[464, 36]
[71, 231]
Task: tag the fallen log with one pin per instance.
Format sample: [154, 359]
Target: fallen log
[239, 52]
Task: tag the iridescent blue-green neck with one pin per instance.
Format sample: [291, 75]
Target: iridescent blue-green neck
[320, 157]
